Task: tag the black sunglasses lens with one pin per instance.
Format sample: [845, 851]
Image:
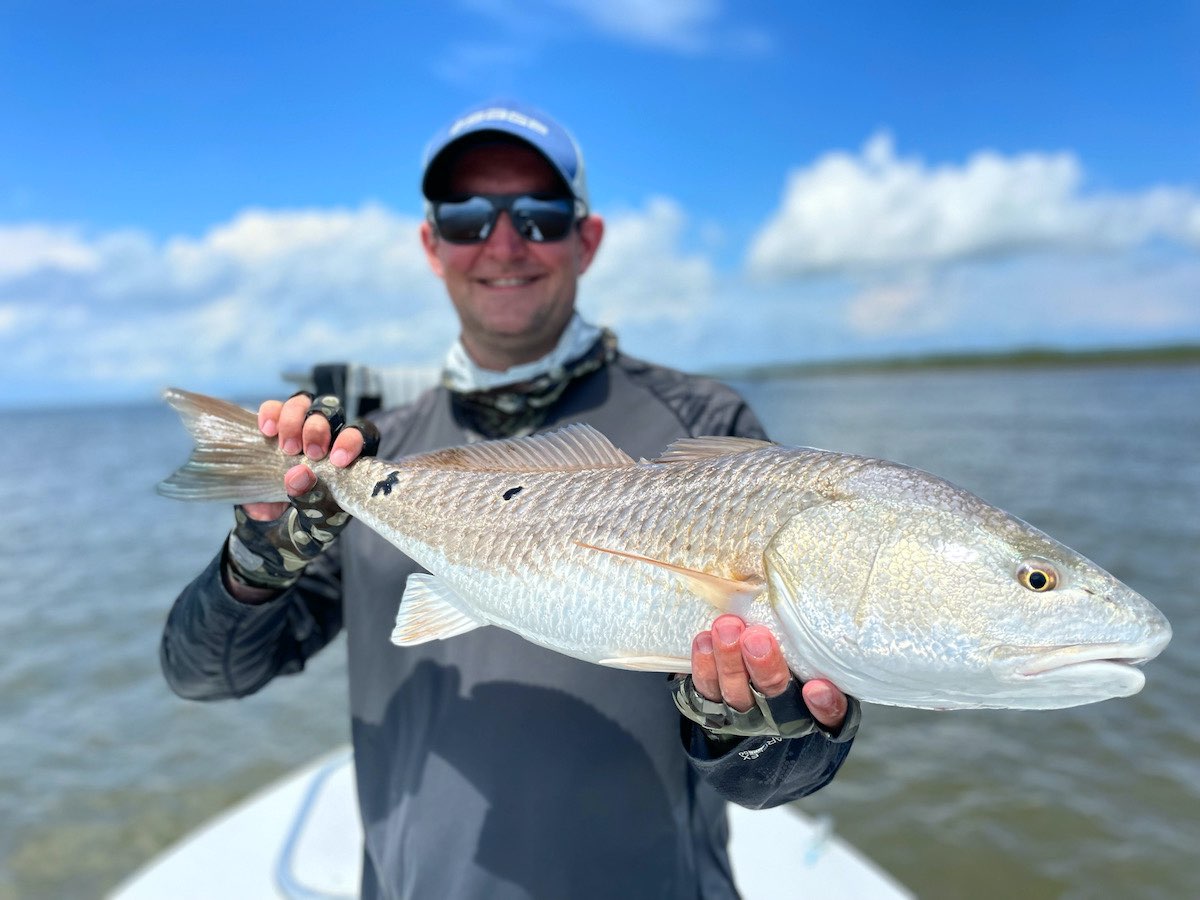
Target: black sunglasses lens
[464, 221]
[538, 219]
[541, 220]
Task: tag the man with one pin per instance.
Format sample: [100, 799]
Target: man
[487, 766]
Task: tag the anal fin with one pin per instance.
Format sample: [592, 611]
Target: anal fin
[430, 610]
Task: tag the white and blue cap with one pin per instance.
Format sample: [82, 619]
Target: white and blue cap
[515, 120]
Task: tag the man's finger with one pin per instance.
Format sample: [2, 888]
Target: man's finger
[764, 661]
[825, 702]
[268, 417]
[264, 512]
[731, 670]
[704, 667]
[316, 435]
[299, 480]
[291, 424]
[346, 447]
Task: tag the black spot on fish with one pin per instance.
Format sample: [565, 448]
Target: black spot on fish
[386, 485]
[512, 492]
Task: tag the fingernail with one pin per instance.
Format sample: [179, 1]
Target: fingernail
[821, 695]
[291, 446]
[728, 632]
[270, 428]
[314, 451]
[704, 643]
[301, 481]
[339, 457]
[757, 644]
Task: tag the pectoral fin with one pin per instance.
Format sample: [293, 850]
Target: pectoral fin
[430, 610]
[725, 594]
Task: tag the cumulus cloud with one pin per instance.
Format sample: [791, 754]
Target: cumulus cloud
[29, 248]
[680, 26]
[249, 297]
[853, 213]
[641, 276]
[272, 290]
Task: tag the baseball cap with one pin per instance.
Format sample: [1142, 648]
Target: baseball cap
[517, 120]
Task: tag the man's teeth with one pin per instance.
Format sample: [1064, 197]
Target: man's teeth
[506, 282]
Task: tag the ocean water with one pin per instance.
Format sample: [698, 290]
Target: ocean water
[101, 766]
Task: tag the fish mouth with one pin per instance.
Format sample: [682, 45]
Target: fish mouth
[1124, 655]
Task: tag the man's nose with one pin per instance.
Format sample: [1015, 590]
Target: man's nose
[505, 241]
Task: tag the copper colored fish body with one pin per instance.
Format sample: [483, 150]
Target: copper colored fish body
[897, 586]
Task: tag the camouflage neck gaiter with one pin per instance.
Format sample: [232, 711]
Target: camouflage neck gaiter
[513, 410]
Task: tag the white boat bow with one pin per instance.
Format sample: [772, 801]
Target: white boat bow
[300, 838]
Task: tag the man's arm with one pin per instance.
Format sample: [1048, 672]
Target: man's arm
[227, 636]
[762, 771]
[215, 646]
[758, 772]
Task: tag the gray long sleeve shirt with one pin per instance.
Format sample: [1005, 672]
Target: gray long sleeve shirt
[489, 767]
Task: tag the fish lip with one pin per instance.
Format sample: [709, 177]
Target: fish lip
[1127, 654]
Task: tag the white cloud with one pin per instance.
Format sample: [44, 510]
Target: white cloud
[124, 314]
[273, 290]
[680, 26]
[25, 249]
[641, 276]
[897, 308]
[847, 213]
[250, 297]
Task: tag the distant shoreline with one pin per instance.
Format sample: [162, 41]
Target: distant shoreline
[1024, 358]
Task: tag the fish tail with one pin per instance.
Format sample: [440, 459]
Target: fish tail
[232, 459]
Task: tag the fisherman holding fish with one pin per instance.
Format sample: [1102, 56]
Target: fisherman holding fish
[488, 766]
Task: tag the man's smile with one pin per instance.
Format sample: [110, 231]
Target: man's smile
[510, 281]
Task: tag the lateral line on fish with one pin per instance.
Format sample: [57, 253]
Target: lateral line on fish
[726, 594]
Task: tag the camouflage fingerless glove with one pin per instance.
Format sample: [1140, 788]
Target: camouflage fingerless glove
[784, 716]
[272, 554]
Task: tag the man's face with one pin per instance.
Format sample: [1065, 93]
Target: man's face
[513, 297]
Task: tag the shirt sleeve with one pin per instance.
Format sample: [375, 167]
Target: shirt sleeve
[761, 772]
[214, 646]
[756, 772]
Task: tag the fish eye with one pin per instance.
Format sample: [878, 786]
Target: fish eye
[1037, 575]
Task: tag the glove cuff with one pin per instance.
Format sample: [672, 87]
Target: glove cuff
[785, 715]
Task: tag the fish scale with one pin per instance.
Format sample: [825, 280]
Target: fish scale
[896, 585]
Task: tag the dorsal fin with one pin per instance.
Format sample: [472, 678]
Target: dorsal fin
[575, 447]
[692, 449]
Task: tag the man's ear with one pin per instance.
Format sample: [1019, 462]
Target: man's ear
[591, 232]
[429, 240]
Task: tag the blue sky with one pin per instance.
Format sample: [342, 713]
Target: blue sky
[203, 194]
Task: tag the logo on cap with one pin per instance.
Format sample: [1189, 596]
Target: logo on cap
[499, 114]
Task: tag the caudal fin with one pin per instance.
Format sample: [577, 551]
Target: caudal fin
[232, 459]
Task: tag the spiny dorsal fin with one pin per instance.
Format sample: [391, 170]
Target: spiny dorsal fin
[692, 449]
[725, 594]
[575, 447]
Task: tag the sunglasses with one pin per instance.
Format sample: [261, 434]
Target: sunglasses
[539, 218]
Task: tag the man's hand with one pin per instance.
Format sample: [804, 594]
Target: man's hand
[300, 435]
[727, 659]
[272, 543]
